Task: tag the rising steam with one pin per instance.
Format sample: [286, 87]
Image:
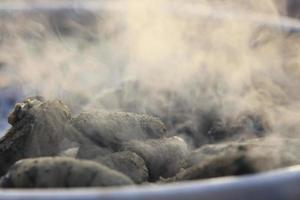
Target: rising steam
[173, 59]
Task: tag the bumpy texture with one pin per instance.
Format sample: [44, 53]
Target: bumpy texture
[37, 130]
[45, 128]
[128, 163]
[235, 158]
[61, 172]
[117, 148]
[109, 129]
[162, 156]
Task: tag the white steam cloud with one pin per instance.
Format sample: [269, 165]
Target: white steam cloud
[232, 57]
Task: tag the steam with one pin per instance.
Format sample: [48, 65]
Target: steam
[173, 59]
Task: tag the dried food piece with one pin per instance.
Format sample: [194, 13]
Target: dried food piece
[162, 156]
[128, 163]
[237, 159]
[110, 129]
[37, 130]
[54, 172]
